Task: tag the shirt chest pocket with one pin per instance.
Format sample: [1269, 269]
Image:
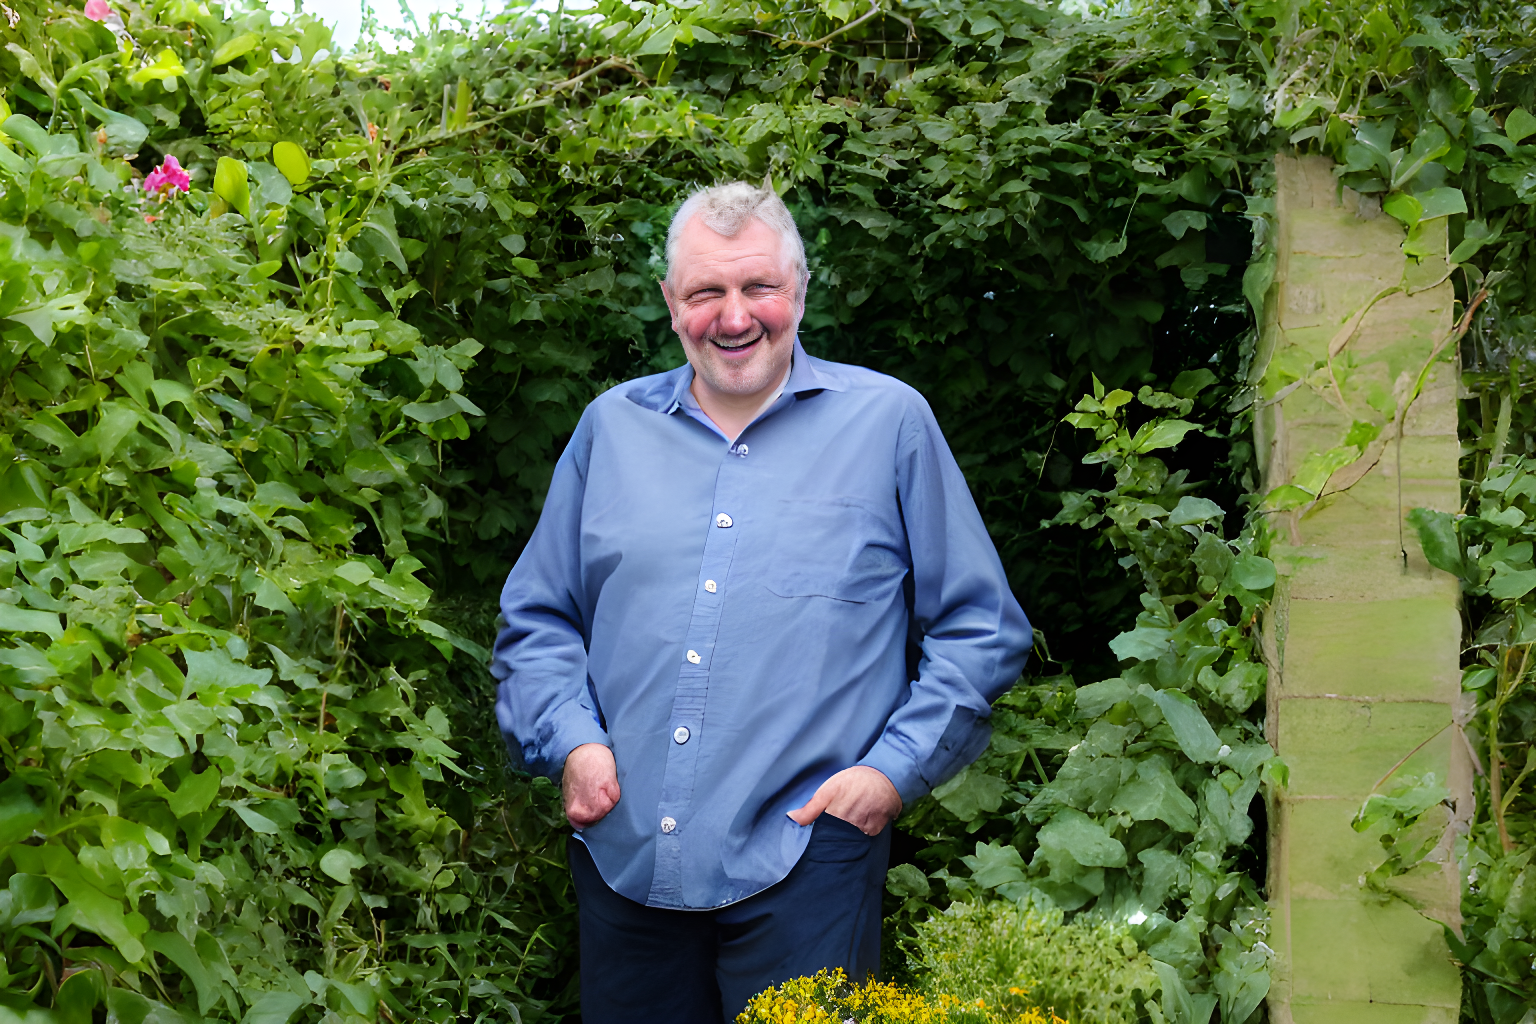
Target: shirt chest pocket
[837, 548]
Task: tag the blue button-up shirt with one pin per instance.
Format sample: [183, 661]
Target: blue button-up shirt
[733, 620]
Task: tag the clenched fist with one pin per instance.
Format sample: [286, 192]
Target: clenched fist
[589, 784]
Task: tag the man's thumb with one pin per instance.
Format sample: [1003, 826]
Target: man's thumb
[812, 809]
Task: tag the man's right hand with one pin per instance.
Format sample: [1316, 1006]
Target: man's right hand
[590, 785]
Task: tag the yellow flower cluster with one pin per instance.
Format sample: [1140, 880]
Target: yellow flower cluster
[829, 998]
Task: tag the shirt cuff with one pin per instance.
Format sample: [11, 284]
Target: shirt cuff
[900, 769]
[573, 727]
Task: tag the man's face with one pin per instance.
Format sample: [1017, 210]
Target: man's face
[735, 306]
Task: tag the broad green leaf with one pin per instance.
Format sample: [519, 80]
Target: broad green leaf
[1437, 537]
[1160, 434]
[1252, 572]
[340, 863]
[1404, 208]
[908, 880]
[239, 46]
[180, 952]
[291, 159]
[165, 68]
[94, 911]
[659, 42]
[275, 1007]
[1475, 236]
[1190, 727]
[1191, 510]
[124, 133]
[28, 620]
[1181, 221]
[1511, 584]
[1519, 125]
[971, 794]
[256, 821]
[1155, 795]
[1190, 383]
[230, 183]
[1073, 834]
[196, 792]
[995, 865]
[19, 813]
[1441, 202]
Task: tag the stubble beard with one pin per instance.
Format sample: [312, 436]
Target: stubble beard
[747, 378]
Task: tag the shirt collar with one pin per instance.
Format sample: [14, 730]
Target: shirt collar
[803, 377]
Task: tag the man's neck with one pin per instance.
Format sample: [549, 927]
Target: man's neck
[734, 413]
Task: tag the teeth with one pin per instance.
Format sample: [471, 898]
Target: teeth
[733, 348]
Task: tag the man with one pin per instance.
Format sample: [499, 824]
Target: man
[707, 638]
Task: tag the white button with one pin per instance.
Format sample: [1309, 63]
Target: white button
[710, 586]
[693, 656]
[681, 734]
[723, 521]
[668, 825]
[741, 450]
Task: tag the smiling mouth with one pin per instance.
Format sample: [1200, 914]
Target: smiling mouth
[736, 347]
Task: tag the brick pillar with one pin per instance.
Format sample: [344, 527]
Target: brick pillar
[1362, 643]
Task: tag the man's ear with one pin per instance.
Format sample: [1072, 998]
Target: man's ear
[670, 299]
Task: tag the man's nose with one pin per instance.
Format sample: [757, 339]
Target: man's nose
[735, 318]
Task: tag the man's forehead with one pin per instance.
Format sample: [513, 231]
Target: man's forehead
[701, 246]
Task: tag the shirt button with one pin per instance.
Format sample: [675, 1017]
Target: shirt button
[723, 521]
[693, 656]
[710, 586]
[741, 450]
[668, 825]
[681, 734]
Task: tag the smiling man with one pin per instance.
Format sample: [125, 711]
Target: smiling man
[759, 615]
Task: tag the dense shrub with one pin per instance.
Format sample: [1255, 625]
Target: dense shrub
[1087, 970]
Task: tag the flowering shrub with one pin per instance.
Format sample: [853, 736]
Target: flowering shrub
[829, 997]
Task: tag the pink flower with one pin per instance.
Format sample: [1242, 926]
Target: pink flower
[97, 10]
[168, 176]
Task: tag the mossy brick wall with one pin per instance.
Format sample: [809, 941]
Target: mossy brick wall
[1363, 636]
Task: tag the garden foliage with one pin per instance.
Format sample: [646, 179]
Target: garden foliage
[1132, 795]
[1088, 970]
[272, 440]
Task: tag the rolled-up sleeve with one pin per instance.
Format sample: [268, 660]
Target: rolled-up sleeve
[974, 636]
[543, 703]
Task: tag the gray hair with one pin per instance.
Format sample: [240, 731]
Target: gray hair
[728, 208]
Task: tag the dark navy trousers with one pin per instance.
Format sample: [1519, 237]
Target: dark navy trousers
[646, 964]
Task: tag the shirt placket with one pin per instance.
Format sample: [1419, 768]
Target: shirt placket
[685, 726]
